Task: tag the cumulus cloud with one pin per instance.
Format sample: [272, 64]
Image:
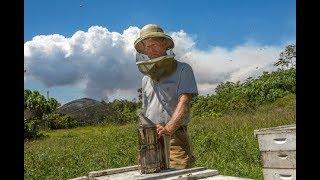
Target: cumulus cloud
[103, 63]
[98, 60]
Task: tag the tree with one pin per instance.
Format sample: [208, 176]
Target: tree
[37, 104]
[39, 107]
[287, 58]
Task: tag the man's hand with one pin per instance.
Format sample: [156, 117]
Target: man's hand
[162, 130]
[181, 110]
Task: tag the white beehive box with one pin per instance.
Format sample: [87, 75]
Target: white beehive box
[278, 152]
[133, 173]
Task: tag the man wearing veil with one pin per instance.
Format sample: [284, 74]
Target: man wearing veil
[168, 86]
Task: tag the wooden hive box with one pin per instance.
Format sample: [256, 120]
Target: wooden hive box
[278, 152]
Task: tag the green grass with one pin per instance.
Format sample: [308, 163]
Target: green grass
[70, 153]
[226, 143]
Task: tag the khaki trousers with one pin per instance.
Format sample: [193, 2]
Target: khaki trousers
[181, 156]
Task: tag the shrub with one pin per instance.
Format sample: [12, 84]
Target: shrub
[31, 129]
[248, 95]
[39, 106]
[57, 121]
[287, 100]
[122, 111]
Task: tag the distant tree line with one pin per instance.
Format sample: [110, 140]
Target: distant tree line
[268, 87]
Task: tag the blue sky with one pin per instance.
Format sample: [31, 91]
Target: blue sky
[225, 23]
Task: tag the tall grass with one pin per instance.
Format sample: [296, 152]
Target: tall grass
[70, 153]
[224, 143]
[228, 143]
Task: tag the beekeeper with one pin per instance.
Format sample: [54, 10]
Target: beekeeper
[168, 86]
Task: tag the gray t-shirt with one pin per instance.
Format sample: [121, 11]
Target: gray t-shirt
[159, 99]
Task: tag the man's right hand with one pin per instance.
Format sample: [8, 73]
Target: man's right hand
[162, 130]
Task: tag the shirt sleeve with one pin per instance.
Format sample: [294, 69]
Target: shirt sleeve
[187, 82]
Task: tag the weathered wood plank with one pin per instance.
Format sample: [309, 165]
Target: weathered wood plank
[196, 175]
[111, 171]
[221, 177]
[130, 175]
[80, 178]
[135, 175]
[172, 173]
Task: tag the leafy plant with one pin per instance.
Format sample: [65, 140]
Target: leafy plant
[39, 106]
[123, 111]
[57, 121]
[31, 129]
[287, 58]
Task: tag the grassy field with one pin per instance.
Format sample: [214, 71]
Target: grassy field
[226, 143]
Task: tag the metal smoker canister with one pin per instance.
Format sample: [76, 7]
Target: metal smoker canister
[153, 152]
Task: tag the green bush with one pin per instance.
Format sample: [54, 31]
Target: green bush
[248, 95]
[57, 121]
[122, 111]
[287, 100]
[31, 129]
[39, 106]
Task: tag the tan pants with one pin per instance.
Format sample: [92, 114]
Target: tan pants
[181, 156]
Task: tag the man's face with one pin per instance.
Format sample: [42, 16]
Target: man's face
[154, 47]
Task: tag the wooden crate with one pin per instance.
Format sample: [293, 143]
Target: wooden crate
[278, 151]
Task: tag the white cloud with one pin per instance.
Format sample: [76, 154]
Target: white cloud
[102, 63]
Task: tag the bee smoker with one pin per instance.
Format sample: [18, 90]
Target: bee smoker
[153, 152]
